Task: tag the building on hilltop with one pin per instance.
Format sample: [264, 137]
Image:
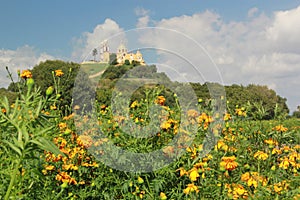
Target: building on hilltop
[123, 55]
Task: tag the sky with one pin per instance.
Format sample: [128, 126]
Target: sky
[233, 41]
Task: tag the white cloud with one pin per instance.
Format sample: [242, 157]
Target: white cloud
[252, 12]
[90, 40]
[263, 50]
[143, 21]
[139, 11]
[285, 30]
[22, 58]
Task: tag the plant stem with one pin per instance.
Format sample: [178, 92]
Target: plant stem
[12, 180]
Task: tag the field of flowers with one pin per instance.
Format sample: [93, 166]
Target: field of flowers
[50, 153]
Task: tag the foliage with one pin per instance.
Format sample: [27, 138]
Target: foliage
[252, 158]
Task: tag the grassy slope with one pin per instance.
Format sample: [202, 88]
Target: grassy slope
[94, 68]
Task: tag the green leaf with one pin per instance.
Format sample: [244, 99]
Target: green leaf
[19, 143]
[13, 147]
[47, 145]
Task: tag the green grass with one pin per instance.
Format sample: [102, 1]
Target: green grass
[94, 68]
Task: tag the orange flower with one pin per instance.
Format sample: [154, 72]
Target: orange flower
[182, 171]
[280, 128]
[160, 100]
[26, 74]
[59, 72]
[84, 141]
[229, 163]
[65, 177]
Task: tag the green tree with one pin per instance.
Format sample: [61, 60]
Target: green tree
[95, 52]
[44, 75]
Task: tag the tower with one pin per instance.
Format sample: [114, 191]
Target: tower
[104, 52]
[121, 53]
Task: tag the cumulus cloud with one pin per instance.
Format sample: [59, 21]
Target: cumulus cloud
[252, 12]
[139, 11]
[263, 50]
[22, 58]
[88, 41]
[285, 30]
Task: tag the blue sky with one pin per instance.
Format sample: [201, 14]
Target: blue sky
[251, 41]
[50, 25]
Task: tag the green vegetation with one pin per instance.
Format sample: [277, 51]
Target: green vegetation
[93, 68]
[52, 148]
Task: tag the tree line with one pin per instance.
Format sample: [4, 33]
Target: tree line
[253, 97]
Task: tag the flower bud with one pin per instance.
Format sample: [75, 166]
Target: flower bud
[29, 83]
[49, 91]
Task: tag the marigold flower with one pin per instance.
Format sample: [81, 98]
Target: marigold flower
[194, 174]
[26, 74]
[260, 155]
[278, 187]
[160, 100]
[162, 196]
[241, 112]
[280, 128]
[166, 125]
[276, 151]
[84, 141]
[239, 192]
[182, 171]
[253, 178]
[49, 167]
[227, 117]
[271, 142]
[228, 163]
[59, 72]
[191, 188]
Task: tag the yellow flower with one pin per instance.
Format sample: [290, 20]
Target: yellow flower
[140, 180]
[26, 74]
[278, 187]
[280, 128]
[166, 125]
[59, 72]
[240, 112]
[193, 174]
[284, 164]
[182, 171]
[227, 117]
[260, 155]
[49, 167]
[239, 191]
[162, 196]
[271, 142]
[134, 104]
[191, 188]
[276, 151]
[221, 145]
